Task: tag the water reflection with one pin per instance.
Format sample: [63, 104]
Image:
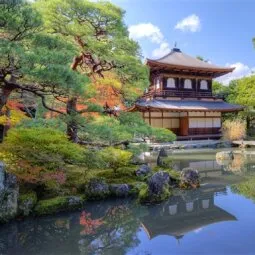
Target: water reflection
[186, 212]
[112, 227]
[124, 227]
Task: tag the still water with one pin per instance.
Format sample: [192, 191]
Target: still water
[217, 218]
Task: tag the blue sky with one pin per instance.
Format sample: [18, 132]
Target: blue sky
[218, 30]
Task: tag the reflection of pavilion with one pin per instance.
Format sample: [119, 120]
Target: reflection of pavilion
[210, 171]
[186, 212]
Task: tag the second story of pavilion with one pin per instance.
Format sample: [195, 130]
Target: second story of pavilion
[178, 75]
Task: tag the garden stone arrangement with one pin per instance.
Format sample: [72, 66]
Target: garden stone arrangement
[147, 186]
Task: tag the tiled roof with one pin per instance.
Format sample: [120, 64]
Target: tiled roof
[178, 58]
[188, 105]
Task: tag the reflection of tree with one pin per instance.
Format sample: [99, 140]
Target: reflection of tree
[116, 235]
[245, 188]
[237, 164]
[89, 224]
[101, 228]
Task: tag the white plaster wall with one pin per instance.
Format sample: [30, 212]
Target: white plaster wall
[196, 114]
[213, 114]
[156, 114]
[217, 122]
[171, 114]
[156, 122]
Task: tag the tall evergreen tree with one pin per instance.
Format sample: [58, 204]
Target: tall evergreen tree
[33, 60]
[101, 41]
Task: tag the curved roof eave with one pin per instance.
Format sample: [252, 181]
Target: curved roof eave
[212, 69]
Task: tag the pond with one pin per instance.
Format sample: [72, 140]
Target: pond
[218, 218]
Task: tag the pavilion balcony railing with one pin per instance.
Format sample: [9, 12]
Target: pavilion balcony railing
[182, 94]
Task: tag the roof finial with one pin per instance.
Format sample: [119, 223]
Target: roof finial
[175, 49]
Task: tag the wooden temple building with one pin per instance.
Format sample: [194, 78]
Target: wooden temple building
[180, 96]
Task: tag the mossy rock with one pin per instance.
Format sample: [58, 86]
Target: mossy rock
[157, 190]
[26, 203]
[58, 204]
[97, 189]
[145, 196]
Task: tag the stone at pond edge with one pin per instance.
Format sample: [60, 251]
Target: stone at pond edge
[9, 192]
[162, 153]
[160, 160]
[120, 190]
[143, 170]
[97, 189]
[189, 178]
[26, 203]
[158, 188]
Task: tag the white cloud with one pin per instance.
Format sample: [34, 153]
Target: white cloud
[162, 50]
[241, 70]
[191, 24]
[146, 30]
[153, 33]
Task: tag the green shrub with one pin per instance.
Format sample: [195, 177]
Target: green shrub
[115, 158]
[129, 125]
[40, 154]
[163, 135]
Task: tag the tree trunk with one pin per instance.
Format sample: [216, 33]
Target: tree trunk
[4, 96]
[72, 126]
[71, 107]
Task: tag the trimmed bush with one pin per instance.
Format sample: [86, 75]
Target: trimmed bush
[38, 155]
[115, 158]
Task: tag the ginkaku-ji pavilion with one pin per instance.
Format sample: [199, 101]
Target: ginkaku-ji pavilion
[180, 97]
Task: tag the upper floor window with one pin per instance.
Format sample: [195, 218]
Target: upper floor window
[204, 85]
[187, 84]
[157, 83]
[170, 83]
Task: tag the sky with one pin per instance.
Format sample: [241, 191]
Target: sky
[220, 31]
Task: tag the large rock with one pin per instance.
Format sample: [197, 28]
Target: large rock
[9, 192]
[120, 190]
[97, 189]
[158, 188]
[162, 152]
[160, 160]
[143, 170]
[189, 178]
[157, 182]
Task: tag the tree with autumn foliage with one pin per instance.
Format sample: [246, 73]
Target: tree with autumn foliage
[97, 32]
